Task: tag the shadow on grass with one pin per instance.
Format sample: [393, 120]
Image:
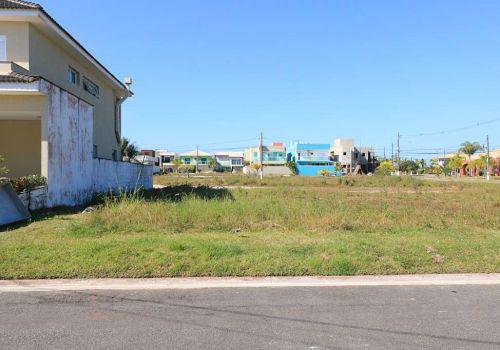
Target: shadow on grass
[181, 192]
[170, 194]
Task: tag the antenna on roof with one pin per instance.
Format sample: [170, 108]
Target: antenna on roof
[128, 82]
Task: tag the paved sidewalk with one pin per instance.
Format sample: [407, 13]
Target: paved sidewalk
[249, 282]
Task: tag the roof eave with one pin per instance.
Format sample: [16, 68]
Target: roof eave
[65, 35]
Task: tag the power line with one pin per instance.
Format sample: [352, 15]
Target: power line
[453, 130]
[212, 144]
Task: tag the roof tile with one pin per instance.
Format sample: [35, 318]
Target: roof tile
[18, 4]
[17, 78]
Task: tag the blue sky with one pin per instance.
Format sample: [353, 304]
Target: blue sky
[216, 73]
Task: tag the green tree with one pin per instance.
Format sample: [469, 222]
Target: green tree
[385, 168]
[128, 149]
[454, 163]
[3, 169]
[470, 148]
[408, 166]
[214, 165]
[422, 166]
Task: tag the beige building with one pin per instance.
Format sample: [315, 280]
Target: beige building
[274, 154]
[351, 156]
[60, 108]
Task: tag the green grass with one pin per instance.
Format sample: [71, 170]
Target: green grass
[291, 226]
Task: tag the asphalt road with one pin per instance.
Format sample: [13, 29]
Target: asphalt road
[431, 317]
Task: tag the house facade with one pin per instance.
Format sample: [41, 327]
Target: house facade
[273, 155]
[60, 109]
[352, 157]
[199, 159]
[231, 161]
[311, 158]
[166, 159]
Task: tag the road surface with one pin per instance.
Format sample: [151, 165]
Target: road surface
[383, 317]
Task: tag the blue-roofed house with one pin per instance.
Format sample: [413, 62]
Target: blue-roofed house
[310, 158]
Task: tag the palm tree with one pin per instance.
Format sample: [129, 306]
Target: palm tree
[128, 149]
[470, 148]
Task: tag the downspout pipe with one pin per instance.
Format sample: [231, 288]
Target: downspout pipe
[119, 102]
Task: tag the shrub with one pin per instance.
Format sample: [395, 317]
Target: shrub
[293, 167]
[255, 166]
[28, 183]
[185, 169]
[3, 169]
[385, 168]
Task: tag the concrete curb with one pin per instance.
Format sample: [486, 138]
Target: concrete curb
[16, 286]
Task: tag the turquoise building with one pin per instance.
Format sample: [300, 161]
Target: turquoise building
[310, 158]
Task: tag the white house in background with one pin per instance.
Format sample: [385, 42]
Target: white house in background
[166, 159]
[351, 156]
[232, 161]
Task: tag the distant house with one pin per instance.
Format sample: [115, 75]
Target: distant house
[166, 160]
[350, 156]
[197, 158]
[494, 165]
[60, 109]
[232, 161]
[310, 158]
[273, 155]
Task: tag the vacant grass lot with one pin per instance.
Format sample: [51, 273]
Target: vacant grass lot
[283, 226]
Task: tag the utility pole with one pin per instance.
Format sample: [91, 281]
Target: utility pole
[261, 155]
[384, 152]
[399, 156]
[392, 152]
[487, 158]
[197, 157]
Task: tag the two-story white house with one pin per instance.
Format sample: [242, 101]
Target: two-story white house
[232, 161]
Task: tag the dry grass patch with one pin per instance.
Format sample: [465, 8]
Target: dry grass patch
[187, 230]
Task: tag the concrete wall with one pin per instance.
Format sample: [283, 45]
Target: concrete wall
[51, 61]
[66, 147]
[115, 176]
[20, 145]
[17, 34]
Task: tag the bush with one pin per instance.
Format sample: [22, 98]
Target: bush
[385, 168]
[185, 169]
[28, 183]
[3, 170]
[293, 167]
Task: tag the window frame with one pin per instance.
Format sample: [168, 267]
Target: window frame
[72, 70]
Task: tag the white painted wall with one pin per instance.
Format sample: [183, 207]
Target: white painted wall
[73, 175]
[68, 132]
[115, 176]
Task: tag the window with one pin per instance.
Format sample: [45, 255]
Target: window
[90, 87]
[236, 162]
[204, 161]
[187, 161]
[3, 48]
[356, 155]
[363, 154]
[345, 153]
[73, 76]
